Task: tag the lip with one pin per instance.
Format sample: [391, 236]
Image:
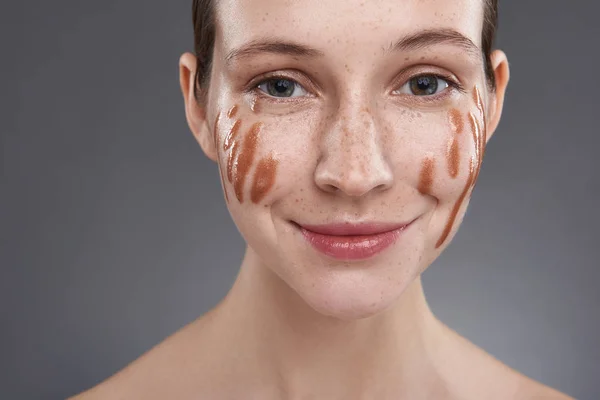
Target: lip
[347, 241]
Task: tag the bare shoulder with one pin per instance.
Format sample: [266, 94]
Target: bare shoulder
[175, 368]
[475, 374]
[533, 390]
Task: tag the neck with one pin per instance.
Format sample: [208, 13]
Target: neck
[310, 353]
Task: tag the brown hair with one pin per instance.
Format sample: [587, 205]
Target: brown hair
[203, 14]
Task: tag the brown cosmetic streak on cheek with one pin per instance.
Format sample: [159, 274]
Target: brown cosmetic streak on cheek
[453, 156]
[264, 178]
[231, 136]
[479, 143]
[426, 177]
[479, 139]
[232, 111]
[474, 168]
[456, 208]
[216, 139]
[253, 106]
[456, 121]
[243, 161]
[479, 104]
[231, 160]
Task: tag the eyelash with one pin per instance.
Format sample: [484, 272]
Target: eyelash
[452, 84]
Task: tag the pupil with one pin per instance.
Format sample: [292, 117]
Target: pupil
[281, 88]
[424, 85]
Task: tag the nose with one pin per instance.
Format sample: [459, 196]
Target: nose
[352, 161]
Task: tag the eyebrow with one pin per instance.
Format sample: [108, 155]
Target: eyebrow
[415, 41]
[432, 37]
[272, 46]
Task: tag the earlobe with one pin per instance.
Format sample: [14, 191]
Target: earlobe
[195, 113]
[496, 103]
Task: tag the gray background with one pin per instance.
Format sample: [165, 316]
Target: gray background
[113, 223]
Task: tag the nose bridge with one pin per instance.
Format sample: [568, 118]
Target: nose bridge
[352, 156]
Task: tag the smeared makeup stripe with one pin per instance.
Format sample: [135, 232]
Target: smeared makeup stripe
[479, 104]
[426, 177]
[232, 111]
[264, 178]
[456, 121]
[458, 204]
[243, 161]
[453, 158]
[232, 134]
[216, 142]
[231, 160]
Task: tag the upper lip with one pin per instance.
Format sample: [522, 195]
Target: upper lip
[354, 229]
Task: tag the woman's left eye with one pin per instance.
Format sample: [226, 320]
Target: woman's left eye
[424, 85]
[280, 87]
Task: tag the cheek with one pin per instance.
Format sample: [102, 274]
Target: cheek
[463, 159]
[259, 159]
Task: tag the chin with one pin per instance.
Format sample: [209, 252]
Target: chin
[348, 293]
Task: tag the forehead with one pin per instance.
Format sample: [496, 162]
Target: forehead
[329, 24]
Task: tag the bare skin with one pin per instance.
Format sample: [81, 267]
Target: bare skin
[353, 142]
[231, 354]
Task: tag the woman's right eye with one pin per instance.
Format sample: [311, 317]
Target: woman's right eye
[280, 87]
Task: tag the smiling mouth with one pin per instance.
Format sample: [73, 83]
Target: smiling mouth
[346, 241]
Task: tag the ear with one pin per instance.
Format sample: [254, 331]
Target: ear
[195, 112]
[502, 75]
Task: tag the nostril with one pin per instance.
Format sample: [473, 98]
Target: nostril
[331, 188]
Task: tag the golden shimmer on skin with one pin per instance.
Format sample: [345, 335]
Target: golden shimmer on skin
[264, 178]
[242, 163]
[216, 139]
[426, 177]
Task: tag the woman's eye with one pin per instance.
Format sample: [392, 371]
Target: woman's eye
[424, 85]
[282, 88]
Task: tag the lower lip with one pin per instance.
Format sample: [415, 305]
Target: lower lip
[356, 247]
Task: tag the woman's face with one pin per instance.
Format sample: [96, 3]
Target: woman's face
[338, 117]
